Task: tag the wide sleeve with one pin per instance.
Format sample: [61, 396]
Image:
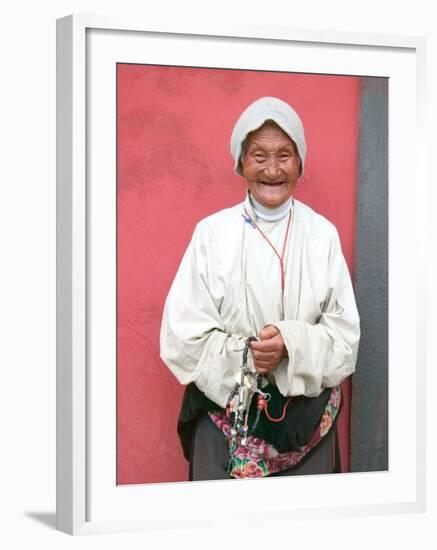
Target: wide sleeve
[194, 343]
[323, 354]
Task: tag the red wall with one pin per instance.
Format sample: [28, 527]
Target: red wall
[174, 168]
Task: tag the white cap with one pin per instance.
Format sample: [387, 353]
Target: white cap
[252, 118]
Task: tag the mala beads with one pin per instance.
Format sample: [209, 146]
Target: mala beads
[238, 405]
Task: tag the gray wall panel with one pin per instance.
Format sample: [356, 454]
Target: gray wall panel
[369, 421]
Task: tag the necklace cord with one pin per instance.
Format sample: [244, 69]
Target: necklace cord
[279, 256]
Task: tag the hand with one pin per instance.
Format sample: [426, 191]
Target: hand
[268, 353]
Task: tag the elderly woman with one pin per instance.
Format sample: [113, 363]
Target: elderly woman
[273, 269]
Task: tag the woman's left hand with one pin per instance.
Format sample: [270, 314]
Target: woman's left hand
[269, 351]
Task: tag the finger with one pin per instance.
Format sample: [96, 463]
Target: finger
[267, 365]
[264, 363]
[254, 345]
[264, 345]
[276, 343]
[264, 355]
[267, 332]
[262, 371]
[269, 346]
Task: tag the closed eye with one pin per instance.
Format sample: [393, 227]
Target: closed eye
[259, 157]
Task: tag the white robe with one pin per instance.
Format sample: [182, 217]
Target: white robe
[228, 287]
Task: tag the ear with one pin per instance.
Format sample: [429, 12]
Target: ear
[240, 164]
[299, 160]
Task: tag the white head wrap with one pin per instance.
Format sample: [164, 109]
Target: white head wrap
[268, 108]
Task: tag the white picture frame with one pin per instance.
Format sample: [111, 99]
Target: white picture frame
[87, 48]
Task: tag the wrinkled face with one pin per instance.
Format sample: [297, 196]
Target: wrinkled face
[271, 165]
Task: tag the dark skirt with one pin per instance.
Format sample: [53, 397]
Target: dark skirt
[207, 450]
[209, 456]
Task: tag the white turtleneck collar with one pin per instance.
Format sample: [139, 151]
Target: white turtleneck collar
[270, 214]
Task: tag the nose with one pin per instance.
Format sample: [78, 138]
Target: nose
[271, 167]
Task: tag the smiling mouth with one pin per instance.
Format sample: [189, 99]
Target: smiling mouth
[272, 183]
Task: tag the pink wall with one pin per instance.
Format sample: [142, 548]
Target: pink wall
[174, 168]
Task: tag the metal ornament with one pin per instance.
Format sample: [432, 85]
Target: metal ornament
[238, 404]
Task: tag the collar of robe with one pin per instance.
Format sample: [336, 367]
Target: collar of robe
[270, 214]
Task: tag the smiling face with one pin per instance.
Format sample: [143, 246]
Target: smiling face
[271, 165]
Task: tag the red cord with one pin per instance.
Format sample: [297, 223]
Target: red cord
[262, 403]
[280, 257]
